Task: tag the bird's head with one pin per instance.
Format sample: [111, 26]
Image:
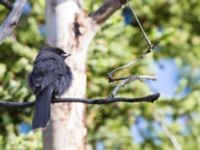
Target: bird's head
[57, 51]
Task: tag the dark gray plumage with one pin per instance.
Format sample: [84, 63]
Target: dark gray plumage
[50, 77]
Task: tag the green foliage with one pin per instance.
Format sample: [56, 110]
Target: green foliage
[174, 23]
[28, 141]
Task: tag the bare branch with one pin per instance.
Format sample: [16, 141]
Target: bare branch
[124, 80]
[150, 48]
[128, 80]
[141, 28]
[11, 21]
[110, 74]
[99, 101]
[106, 10]
[6, 3]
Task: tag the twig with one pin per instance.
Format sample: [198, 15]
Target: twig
[11, 21]
[141, 28]
[110, 74]
[128, 80]
[99, 101]
[7, 4]
[149, 50]
[167, 132]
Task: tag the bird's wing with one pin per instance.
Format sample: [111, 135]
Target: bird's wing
[48, 79]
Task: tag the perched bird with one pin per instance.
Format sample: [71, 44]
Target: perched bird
[50, 77]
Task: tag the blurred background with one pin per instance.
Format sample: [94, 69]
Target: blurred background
[172, 122]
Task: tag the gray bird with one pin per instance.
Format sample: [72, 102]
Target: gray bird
[50, 77]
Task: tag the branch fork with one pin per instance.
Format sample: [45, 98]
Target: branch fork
[131, 78]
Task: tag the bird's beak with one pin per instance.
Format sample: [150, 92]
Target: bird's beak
[66, 55]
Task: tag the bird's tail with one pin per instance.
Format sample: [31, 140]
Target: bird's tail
[42, 106]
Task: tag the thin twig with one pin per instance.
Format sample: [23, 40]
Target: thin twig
[7, 4]
[128, 80]
[150, 48]
[99, 101]
[140, 25]
[110, 74]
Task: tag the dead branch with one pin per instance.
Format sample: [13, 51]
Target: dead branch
[110, 74]
[128, 80]
[131, 78]
[106, 10]
[11, 21]
[99, 101]
[140, 25]
[7, 4]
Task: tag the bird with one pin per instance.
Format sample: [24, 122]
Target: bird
[50, 77]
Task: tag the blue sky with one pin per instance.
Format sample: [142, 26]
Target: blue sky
[168, 78]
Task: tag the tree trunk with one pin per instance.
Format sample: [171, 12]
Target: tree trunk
[66, 130]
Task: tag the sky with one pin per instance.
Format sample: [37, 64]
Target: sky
[168, 75]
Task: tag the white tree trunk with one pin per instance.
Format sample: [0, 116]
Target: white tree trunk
[67, 130]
